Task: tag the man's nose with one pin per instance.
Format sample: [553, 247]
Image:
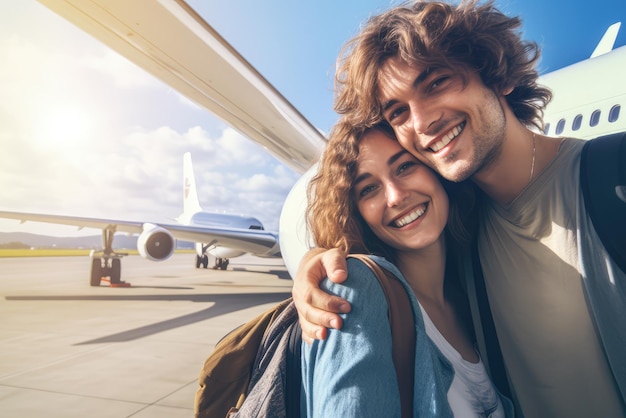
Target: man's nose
[420, 123]
[422, 118]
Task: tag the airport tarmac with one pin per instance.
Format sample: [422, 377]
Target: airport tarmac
[72, 350]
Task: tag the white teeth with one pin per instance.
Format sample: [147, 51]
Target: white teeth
[410, 217]
[446, 139]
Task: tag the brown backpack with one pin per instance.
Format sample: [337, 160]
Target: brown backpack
[259, 362]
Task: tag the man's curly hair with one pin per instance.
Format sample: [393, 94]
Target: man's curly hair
[469, 36]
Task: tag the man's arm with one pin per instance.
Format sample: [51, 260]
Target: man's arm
[317, 309]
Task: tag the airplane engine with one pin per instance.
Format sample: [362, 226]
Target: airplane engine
[156, 243]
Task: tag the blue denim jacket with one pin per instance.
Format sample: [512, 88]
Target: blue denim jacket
[351, 373]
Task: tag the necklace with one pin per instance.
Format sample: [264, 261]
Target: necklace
[532, 166]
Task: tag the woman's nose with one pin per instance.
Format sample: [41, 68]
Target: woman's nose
[395, 194]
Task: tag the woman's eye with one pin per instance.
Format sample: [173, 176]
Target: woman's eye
[395, 113]
[366, 190]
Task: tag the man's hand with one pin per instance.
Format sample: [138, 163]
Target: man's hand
[317, 309]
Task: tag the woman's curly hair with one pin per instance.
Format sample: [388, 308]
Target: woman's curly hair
[469, 36]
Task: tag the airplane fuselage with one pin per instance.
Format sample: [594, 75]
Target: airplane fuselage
[587, 101]
[222, 220]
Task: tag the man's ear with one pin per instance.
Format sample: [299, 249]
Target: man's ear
[507, 91]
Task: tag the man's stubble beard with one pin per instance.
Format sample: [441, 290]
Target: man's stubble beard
[487, 147]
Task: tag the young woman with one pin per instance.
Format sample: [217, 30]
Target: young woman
[371, 196]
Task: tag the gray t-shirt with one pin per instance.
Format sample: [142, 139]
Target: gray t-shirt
[528, 252]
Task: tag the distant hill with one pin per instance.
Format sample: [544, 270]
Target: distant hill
[121, 241]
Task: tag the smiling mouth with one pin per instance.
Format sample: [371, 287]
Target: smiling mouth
[411, 217]
[454, 132]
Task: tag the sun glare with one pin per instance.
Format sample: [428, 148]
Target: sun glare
[62, 127]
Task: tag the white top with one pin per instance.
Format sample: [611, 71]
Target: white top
[471, 394]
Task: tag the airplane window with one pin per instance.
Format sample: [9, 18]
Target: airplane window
[546, 129]
[614, 113]
[560, 126]
[577, 122]
[595, 118]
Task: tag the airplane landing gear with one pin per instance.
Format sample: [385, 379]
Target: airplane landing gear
[202, 261]
[107, 263]
[221, 263]
[107, 266]
[96, 271]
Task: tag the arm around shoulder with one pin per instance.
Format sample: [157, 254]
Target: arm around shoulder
[317, 309]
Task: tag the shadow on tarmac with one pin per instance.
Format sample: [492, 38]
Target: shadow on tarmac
[223, 304]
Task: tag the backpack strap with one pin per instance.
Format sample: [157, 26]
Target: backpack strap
[485, 328]
[603, 184]
[294, 371]
[402, 325]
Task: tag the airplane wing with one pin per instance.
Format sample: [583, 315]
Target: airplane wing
[79, 222]
[257, 242]
[170, 40]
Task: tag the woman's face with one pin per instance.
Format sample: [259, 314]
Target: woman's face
[401, 200]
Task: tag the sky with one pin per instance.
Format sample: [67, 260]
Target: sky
[84, 132]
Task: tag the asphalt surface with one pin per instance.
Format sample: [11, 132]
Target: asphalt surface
[71, 350]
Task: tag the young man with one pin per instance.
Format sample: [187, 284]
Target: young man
[458, 86]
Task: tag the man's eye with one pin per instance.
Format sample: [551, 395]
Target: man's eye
[405, 166]
[438, 82]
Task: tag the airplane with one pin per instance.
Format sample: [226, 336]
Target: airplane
[588, 95]
[222, 235]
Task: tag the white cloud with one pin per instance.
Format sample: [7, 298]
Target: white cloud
[142, 177]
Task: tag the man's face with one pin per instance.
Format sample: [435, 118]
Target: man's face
[449, 120]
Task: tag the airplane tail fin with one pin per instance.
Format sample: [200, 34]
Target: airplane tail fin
[608, 40]
[191, 204]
